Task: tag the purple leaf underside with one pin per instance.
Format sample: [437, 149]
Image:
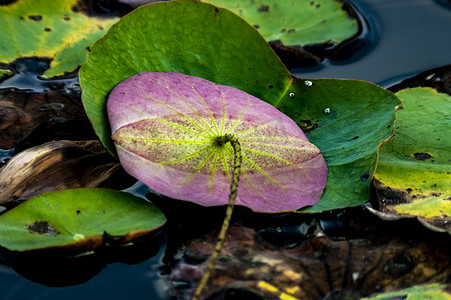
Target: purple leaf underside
[165, 125]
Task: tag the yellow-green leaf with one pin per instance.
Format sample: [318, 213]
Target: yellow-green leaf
[50, 29]
[413, 175]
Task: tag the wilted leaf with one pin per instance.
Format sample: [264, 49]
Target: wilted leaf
[78, 220]
[60, 165]
[198, 39]
[166, 128]
[413, 175]
[48, 29]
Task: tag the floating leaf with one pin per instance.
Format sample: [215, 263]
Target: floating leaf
[430, 291]
[413, 177]
[60, 165]
[199, 39]
[166, 128]
[301, 22]
[77, 220]
[48, 29]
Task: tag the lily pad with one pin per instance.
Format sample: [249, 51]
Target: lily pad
[49, 29]
[346, 119]
[167, 128]
[291, 23]
[78, 220]
[413, 176]
[430, 291]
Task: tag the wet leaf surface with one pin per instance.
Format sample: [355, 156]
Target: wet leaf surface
[358, 256]
[60, 165]
[413, 176]
[78, 220]
[166, 128]
[39, 28]
[347, 128]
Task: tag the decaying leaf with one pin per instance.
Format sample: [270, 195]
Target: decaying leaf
[318, 268]
[60, 165]
[413, 175]
[166, 127]
[22, 112]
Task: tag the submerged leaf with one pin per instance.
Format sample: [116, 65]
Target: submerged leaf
[78, 220]
[319, 267]
[22, 112]
[166, 128]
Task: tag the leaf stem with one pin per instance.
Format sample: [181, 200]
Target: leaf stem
[221, 140]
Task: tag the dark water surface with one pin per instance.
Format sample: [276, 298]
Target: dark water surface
[409, 36]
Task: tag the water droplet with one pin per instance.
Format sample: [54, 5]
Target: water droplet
[291, 95]
[78, 237]
[327, 111]
[308, 83]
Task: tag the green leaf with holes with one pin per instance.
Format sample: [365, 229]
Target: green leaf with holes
[419, 292]
[199, 39]
[78, 220]
[413, 176]
[50, 29]
[300, 22]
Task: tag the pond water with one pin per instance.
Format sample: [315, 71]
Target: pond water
[407, 37]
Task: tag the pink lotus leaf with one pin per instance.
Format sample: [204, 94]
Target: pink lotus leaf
[165, 127]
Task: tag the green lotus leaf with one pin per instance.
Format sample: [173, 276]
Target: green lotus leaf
[50, 29]
[78, 220]
[431, 291]
[346, 119]
[413, 176]
[300, 22]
